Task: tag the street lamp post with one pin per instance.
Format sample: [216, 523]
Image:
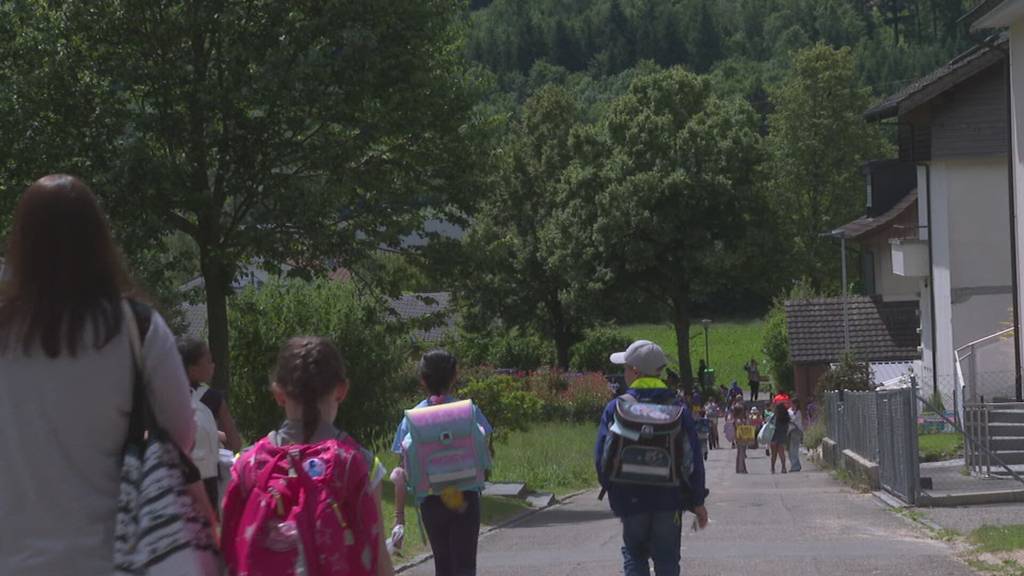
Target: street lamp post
[707, 347]
[841, 234]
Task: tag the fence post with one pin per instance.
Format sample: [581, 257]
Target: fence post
[915, 467]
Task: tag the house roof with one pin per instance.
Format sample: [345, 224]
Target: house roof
[879, 331]
[865, 224]
[416, 306]
[957, 70]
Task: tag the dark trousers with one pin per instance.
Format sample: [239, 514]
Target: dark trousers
[211, 490]
[453, 535]
[755, 388]
[653, 537]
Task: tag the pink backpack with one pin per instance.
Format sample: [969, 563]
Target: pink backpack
[301, 509]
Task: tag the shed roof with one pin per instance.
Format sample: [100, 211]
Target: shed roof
[879, 331]
[865, 224]
[957, 70]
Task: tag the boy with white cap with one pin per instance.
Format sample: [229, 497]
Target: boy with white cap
[651, 515]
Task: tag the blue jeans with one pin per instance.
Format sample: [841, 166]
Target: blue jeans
[653, 536]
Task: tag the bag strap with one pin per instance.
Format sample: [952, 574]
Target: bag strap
[138, 419]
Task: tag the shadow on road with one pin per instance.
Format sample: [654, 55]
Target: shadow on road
[563, 516]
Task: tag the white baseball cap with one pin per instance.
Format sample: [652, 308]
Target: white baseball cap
[646, 356]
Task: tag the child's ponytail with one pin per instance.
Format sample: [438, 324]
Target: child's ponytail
[309, 368]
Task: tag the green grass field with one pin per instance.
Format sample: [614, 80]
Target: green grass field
[549, 457]
[998, 538]
[938, 447]
[732, 344]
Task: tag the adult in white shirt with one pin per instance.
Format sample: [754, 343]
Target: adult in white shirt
[66, 384]
[796, 434]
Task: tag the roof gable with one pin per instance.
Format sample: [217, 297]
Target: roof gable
[946, 77]
[879, 331]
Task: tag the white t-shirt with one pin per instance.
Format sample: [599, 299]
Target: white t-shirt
[797, 419]
[65, 421]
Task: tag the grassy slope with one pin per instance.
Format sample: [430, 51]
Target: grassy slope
[732, 345]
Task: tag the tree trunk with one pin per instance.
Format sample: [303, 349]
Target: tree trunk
[215, 277]
[563, 342]
[681, 322]
[563, 334]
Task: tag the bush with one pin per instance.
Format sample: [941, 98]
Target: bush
[591, 353]
[506, 403]
[849, 374]
[379, 371]
[776, 347]
[814, 434]
[513, 348]
[569, 397]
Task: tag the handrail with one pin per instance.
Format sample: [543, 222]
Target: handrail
[980, 340]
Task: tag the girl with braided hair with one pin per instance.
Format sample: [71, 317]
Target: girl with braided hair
[309, 384]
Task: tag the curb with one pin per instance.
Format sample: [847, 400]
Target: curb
[422, 558]
[895, 504]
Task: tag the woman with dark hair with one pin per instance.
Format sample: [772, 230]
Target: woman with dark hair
[781, 436]
[66, 383]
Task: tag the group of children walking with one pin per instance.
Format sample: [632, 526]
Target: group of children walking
[780, 431]
[306, 498]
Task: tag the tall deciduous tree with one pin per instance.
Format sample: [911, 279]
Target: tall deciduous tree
[510, 274]
[818, 142]
[298, 134]
[660, 190]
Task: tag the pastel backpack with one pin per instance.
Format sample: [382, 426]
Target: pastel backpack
[301, 509]
[206, 452]
[446, 449]
[647, 445]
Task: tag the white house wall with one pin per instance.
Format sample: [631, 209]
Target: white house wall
[891, 287]
[971, 266]
[1017, 128]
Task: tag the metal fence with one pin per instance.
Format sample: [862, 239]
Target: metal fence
[879, 426]
[898, 468]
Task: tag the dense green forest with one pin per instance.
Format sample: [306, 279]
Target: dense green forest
[746, 43]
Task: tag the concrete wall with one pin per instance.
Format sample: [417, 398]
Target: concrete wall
[891, 287]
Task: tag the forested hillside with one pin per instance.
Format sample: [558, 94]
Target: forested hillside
[746, 42]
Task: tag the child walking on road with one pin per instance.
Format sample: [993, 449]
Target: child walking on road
[636, 475]
[740, 421]
[452, 518]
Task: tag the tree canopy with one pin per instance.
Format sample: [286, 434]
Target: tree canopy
[292, 135]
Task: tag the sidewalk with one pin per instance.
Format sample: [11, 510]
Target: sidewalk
[951, 486]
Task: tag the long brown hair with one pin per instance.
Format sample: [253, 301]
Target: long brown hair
[309, 368]
[64, 273]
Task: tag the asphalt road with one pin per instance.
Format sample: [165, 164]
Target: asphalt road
[787, 525]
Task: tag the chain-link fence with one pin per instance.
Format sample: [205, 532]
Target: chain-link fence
[881, 427]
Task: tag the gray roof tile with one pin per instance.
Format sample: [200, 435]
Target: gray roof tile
[879, 331]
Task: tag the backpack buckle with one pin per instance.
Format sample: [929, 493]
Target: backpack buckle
[446, 437]
[647, 431]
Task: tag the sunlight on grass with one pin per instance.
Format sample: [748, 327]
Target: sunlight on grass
[998, 538]
[732, 344]
[938, 447]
